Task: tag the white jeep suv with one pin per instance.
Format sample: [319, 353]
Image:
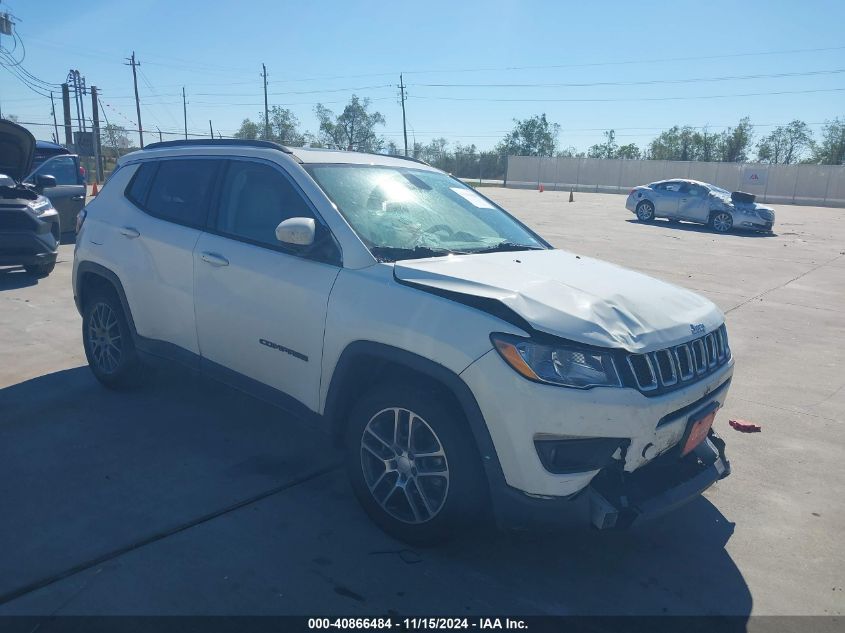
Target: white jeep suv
[467, 368]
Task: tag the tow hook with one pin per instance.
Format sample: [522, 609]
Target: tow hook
[719, 443]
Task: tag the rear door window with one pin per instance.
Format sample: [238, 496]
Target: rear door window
[180, 190]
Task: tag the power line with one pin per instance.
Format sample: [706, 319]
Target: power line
[637, 83]
[614, 99]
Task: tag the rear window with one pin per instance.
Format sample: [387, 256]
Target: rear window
[175, 190]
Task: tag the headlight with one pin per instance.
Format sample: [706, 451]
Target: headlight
[564, 364]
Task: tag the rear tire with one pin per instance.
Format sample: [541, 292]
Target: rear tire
[645, 211]
[108, 343]
[40, 270]
[413, 464]
[721, 221]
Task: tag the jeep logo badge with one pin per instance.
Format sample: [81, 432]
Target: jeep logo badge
[696, 328]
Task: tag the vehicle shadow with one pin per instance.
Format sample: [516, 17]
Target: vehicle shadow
[15, 277]
[699, 228]
[185, 496]
[69, 237]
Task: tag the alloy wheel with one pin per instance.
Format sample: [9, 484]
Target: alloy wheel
[104, 338]
[722, 222]
[645, 211]
[404, 465]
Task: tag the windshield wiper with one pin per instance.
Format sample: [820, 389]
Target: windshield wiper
[507, 246]
[395, 253]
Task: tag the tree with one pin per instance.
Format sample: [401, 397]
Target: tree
[606, 149]
[114, 138]
[530, 137]
[785, 144]
[249, 130]
[676, 143]
[629, 151]
[569, 152]
[353, 129]
[734, 142]
[284, 127]
[831, 149]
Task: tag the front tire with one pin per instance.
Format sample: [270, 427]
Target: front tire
[721, 221]
[645, 211]
[108, 343]
[413, 464]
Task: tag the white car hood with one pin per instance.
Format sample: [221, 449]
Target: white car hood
[577, 298]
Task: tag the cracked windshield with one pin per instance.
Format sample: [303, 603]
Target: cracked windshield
[403, 213]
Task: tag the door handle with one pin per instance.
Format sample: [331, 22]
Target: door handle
[214, 259]
[683, 199]
[78, 198]
[128, 231]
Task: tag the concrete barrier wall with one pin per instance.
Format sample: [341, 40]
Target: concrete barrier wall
[800, 184]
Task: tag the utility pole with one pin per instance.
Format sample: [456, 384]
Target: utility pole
[159, 134]
[55, 123]
[66, 111]
[95, 131]
[403, 97]
[81, 87]
[211, 129]
[134, 64]
[266, 113]
[185, 112]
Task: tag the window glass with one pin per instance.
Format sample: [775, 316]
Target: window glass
[140, 185]
[62, 168]
[696, 191]
[180, 190]
[672, 186]
[255, 198]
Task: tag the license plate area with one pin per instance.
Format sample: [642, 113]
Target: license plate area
[698, 426]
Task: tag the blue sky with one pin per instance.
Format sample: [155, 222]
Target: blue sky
[325, 51]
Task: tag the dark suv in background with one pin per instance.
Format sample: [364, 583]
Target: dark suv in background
[30, 227]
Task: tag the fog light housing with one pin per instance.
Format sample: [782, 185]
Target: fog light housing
[561, 456]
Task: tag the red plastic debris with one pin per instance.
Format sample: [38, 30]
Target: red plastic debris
[744, 426]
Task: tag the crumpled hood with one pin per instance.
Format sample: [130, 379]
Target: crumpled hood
[17, 148]
[577, 298]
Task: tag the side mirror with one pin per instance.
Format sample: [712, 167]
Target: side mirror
[296, 231]
[44, 181]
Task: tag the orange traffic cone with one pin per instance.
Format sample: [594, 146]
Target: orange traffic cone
[94, 189]
[541, 190]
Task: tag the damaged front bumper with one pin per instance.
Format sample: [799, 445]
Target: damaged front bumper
[616, 500]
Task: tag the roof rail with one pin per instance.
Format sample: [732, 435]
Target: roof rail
[357, 151]
[220, 141]
[401, 157]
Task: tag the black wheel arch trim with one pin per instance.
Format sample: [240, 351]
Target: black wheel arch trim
[433, 370]
[86, 267]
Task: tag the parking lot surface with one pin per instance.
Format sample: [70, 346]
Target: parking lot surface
[186, 497]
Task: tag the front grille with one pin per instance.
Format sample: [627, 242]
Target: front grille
[16, 221]
[675, 367]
